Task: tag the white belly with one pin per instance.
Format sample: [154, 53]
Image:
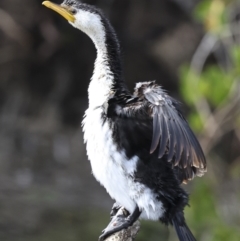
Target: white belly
[112, 169]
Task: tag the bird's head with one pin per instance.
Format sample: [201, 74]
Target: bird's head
[85, 17]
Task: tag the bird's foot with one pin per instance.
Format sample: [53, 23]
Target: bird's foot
[118, 219]
[115, 208]
[121, 220]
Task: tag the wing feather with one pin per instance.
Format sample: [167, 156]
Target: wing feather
[171, 151]
[156, 132]
[172, 134]
[151, 109]
[164, 136]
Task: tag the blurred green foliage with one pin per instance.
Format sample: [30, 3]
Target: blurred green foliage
[216, 87]
[212, 14]
[204, 216]
[214, 84]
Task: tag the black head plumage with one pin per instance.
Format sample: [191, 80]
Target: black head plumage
[83, 6]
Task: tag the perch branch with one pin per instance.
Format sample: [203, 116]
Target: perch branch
[125, 234]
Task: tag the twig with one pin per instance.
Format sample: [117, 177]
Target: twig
[221, 120]
[204, 49]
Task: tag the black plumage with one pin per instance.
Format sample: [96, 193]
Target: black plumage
[150, 123]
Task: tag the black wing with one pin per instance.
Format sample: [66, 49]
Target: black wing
[152, 109]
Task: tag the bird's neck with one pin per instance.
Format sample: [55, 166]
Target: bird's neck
[107, 77]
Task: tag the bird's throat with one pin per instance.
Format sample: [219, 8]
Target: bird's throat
[102, 82]
[107, 76]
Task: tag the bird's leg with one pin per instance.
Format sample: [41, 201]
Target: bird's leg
[116, 206]
[119, 222]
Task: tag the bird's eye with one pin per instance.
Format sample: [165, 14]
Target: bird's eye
[73, 11]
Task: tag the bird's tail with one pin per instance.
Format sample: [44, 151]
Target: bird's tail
[183, 232]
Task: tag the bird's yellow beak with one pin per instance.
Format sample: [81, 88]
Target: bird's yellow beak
[60, 9]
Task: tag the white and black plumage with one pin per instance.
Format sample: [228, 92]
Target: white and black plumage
[140, 146]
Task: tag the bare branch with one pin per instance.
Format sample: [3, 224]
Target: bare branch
[221, 121]
[125, 234]
[204, 49]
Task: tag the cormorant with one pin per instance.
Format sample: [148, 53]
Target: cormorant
[140, 146]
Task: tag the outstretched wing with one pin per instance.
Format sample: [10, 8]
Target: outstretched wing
[171, 134]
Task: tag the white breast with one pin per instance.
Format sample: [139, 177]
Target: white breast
[112, 169]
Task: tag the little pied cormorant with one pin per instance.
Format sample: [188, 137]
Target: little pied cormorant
[140, 146]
